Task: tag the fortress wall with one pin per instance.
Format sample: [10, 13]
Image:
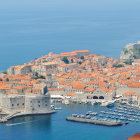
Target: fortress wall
[37, 104]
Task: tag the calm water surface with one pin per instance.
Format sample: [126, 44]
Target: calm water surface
[55, 127]
[32, 28]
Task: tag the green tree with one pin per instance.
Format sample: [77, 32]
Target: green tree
[125, 51]
[41, 77]
[36, 74]
[128, 63]
[5, 72]
[135, 57]
[118, 66]
[80, 62]
[65, 59]
[7, 79]
[45, 61]
[72, 61]
[82, 57]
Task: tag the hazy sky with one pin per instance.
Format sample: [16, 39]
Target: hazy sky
[69, 4]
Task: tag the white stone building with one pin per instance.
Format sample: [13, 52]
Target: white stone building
[28, 104]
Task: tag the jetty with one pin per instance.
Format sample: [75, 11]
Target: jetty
[97, 122]
[19, 114]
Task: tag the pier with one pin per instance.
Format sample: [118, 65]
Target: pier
[97, 122]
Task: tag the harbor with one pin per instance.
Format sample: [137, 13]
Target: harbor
[113, 116]
[53, 123]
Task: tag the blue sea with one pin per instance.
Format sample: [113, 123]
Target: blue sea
[55, 127]
[31, 28]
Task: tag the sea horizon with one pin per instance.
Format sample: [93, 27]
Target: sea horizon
[32, 29]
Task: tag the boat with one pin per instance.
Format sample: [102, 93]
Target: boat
[89, 113]
[66, 102]
[94, 113]
[108, 104]
[83, 116]
[126, 123]
[52, 106]
[122, 118]
[88, 117]
[103, 112]
[100, 115]
[113, 117]
[94, 118]
[137, 120]
[74, 115]
[123, 103]
[57, 108]
[104, 103]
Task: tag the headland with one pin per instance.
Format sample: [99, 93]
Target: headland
[77, 76]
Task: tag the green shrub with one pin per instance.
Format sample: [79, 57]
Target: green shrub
[82, 57]
[65, 59]
[80, 62]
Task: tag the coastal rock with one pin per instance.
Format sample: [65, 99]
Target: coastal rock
[130, 52]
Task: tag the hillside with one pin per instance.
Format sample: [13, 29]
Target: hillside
[130, 52]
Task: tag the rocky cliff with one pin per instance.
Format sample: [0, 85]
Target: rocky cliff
[130, 52]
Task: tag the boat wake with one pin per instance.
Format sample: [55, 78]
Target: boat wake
[21, 123]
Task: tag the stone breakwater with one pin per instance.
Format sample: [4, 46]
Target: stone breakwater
[18, 114]
[97, 122]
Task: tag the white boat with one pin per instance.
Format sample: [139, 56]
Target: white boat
[66, 102]
[104, 103]
[109, 104]
[94, 102]
[52, 106]
[57, 108]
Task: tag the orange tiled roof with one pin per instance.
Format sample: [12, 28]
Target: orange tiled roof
[134, 85]
[5, 87]
[89, 89]
[78, 86]
[11, 93]
[70, 94]
[129, 93]
[36, 88]
[82, 51]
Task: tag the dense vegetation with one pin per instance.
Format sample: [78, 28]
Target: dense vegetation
[37, 76]
[118, 66]
[65, 60]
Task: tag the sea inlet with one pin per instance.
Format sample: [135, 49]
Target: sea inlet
[55, 126]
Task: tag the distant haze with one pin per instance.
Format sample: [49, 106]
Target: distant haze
[32, 28]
